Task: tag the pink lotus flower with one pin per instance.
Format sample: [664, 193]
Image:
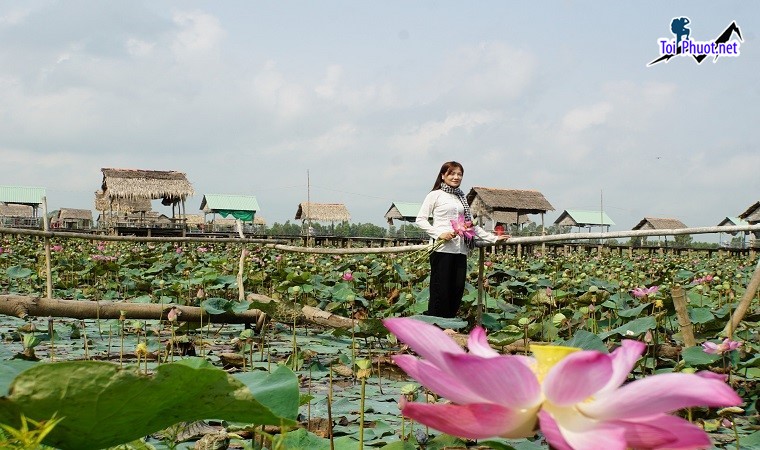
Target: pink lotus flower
[178, 250]
[485, 404]
[202, 249]
[704, 279]
[724, 347]
[463, 227]
[348, 276]
[578, 396]
[56, 248]
[173, 314]
[643, 292]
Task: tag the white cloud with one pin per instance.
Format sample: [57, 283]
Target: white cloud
[420, 138]
[489, 73]
[199, 32]
[329, 86]
[277, 95]
[582, 118]
[139, 47]
[14, 17]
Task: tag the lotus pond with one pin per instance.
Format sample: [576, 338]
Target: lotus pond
[148, 383]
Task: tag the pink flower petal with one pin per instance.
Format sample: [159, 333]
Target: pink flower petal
[445, 384]
[661, 394]
[580, 433]
[551, 431]
[577, 377]
[504, 380]
[425, 339]
[473, 421]
[478, 344]
[623, 359]
[664, 431]
[710, 347]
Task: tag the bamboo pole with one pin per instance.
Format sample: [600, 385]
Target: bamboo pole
[22, 306]
[48, 270]
[744, 303]
[373, 250]
[687, 329]
[481, 260]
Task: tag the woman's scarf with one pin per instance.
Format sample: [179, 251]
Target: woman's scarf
[458, 192]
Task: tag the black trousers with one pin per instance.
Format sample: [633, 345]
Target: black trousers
[447, 277]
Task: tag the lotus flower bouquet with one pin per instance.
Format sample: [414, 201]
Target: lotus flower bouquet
[461, 227]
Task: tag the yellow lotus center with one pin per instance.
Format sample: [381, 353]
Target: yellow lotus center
[547, 356]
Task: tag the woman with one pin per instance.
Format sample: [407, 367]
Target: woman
[448, 263]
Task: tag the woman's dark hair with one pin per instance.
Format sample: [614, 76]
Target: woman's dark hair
[445, 169]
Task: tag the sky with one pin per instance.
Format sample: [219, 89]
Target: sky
[366, 100]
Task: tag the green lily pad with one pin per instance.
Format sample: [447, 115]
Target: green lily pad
[696, 356]
[103, 405]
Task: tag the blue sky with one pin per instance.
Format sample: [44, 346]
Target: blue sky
[371, 97]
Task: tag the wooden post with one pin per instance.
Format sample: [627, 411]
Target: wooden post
[744, 303]
[687, 329]
[48, 272]
[481, 258]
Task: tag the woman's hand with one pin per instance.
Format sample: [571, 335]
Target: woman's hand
[502, 237]
[449, 235]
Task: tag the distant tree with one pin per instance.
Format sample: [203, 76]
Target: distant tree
[683, 240]
[286, 229]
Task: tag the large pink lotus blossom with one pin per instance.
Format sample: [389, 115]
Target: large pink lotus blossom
[463, 227]
[492, 394]
[56, 248]
[704, 279]
[578, 396]
[646, 291]
[348, 276]
[724, 347]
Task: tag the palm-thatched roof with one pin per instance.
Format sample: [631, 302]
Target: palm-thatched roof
[509, 218]
[170, 186]
[13, 210]
[654, 223]
[127, 205]
[485, 202]
[323, 212]
[65, 214]
[752, 214]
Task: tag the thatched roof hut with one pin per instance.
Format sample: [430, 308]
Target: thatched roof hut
[171, 187]
[485, 202]
[323, 212]
[127, 205]
[12, 210]
[168, 185]
[72, 219]
[584, 219]
[654, 223]
[752, 214]
[510, 218]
